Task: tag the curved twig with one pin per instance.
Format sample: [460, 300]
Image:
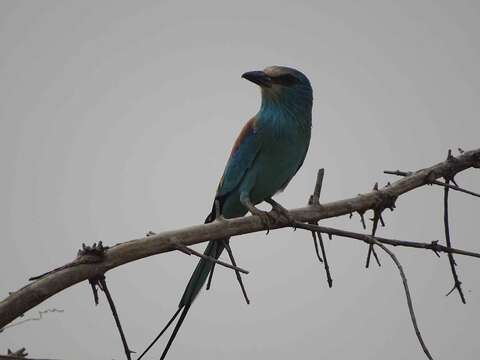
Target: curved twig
[457, 283]
[35, 318]
[409, 298]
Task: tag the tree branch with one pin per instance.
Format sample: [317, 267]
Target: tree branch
[380, 242]
[409, 298]
[102, 284]
[457, 283]
[317, 237]
[189, 251]
[86, 267]
[434, 245]
[436, 182]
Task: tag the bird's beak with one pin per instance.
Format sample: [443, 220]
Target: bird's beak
[259, 78]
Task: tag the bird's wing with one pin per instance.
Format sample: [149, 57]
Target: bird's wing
[243, 154]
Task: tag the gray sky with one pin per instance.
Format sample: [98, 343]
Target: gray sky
[117, 118]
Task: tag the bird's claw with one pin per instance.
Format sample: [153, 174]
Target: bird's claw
[281, 211]
[266, 218]
[285, 214]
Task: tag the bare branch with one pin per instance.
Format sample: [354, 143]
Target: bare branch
[378, 241]
[237, 273]
[386, 202]
[457, 283]
[409, 298]
[317, 237]
[436, 182]
[325, 261]
[85, 267]
[315, 197]
[315, 243]
[103, 286]
[434, 245]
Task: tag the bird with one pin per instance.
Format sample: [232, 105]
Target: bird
[268, 152]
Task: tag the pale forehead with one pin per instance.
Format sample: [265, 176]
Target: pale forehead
[275, 71]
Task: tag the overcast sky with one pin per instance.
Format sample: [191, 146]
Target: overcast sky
[117, 118]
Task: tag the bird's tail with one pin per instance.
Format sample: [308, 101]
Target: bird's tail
[195, 284]
[200, 274]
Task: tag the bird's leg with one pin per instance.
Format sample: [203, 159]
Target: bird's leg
[279, 209]
[264, 216]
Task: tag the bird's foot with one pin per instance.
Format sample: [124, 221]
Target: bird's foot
[281, 211]
[267, 219]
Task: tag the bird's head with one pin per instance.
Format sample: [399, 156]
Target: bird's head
[281, 84]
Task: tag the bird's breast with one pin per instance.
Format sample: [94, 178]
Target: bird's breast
[282, 152]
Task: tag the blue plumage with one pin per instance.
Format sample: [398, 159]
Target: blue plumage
[267, 154]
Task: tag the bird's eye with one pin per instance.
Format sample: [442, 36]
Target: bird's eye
[284, 79]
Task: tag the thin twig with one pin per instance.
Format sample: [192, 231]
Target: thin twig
[377, 241]
[362, 219]
[314, 200]
[436, 182]
[93, 284]
[315, 243]
[39, 317]
[190, 251]
[377, 215]
[239, 277]
[315, 197]
[457, 283]
[371, 250]
[409, 298]
[325, 261]
[433, 246]
[103, 286]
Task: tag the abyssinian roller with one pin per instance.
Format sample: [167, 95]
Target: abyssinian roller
[268, 152]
